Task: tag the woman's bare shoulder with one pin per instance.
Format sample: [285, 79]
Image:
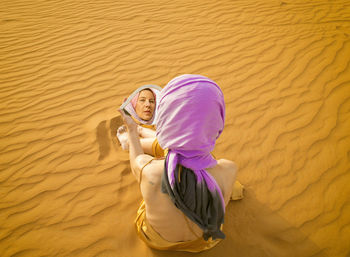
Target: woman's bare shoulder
[152, 172]
[144, 160]
[227, 164]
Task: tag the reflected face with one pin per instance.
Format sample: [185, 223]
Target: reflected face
[145, 105]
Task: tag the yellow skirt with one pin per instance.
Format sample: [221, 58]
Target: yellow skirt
[154, 240]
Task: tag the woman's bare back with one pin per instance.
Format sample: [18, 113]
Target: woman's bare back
[161, 212]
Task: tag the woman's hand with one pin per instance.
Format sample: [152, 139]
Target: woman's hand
[128, 121]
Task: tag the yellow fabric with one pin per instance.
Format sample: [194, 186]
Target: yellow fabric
[154, 240]
[148, 126]
[157, 150]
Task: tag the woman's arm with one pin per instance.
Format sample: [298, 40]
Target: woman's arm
[147, 144]
[137, 156]
[146, 132]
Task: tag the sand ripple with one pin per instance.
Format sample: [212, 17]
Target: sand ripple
[65, 184]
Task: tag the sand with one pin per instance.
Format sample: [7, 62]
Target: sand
[65, 66]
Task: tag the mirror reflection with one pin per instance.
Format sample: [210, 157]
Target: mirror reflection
[141, 104]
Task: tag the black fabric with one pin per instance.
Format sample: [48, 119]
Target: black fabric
[196, 201]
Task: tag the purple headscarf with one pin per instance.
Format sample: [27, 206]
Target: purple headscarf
[191, 115]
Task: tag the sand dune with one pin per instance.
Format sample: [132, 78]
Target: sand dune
[65, 183]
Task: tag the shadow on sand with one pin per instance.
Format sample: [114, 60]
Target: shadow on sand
[106, 135]
[252, 230]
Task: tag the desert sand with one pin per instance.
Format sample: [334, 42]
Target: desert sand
[65, 66]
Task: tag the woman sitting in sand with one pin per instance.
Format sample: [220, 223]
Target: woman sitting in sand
[141, 106]
[185, 193]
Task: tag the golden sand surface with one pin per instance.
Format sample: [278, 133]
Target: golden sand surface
[65, 66]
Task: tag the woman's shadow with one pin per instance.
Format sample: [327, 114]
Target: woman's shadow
[106, 136]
